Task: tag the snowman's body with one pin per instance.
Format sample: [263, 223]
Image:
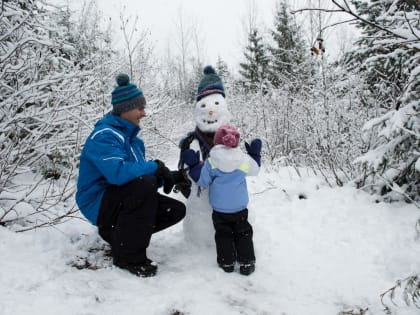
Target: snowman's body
[198, 226]
[210, 113]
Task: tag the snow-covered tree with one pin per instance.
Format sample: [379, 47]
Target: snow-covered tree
[287, 49]
[254, 70]
[388, 54]
[45, 91]
[313, 117]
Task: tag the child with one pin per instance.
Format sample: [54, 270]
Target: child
[224, 172]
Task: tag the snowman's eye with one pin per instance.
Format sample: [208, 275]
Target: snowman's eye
[217, 103]
[203, 105]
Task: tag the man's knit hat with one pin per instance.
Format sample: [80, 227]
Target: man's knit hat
[227, 135]
[126, 96]
[210, 84]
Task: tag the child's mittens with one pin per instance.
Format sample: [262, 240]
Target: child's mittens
[254, 150]
[192, 159]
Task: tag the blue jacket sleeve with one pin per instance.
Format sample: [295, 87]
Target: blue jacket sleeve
[108, 153]
[205, 175]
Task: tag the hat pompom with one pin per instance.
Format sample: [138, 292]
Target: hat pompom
[227, 135]
[230, 140]
[209, 70]
[122, 79]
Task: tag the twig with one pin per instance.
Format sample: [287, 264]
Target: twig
[314, 9]
[409, 25]
[337, 23]
[349, 11]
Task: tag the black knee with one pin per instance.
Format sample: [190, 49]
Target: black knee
[181, 211]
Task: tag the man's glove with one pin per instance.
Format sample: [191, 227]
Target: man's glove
[163, 173]
[254, 150]
[190, 157]
[182, 183]
[179, 177]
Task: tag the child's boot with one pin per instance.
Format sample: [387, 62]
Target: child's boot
[227, 268]
[247, 269]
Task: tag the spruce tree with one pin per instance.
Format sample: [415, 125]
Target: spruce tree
[288, 48]
[388, 56]
[255, 68]
[222, 68]
[385, 49]
[223, 71]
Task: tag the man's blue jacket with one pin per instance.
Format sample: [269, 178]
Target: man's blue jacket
[112, 155]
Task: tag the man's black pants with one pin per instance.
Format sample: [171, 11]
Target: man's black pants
[233, 238]
[131, 213]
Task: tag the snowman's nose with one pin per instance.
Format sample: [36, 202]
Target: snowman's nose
[211, 112]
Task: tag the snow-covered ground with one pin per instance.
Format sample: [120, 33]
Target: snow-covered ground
[337, 250]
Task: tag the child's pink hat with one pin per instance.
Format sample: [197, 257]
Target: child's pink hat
[227, 135]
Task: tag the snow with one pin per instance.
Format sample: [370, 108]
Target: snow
[336, 250]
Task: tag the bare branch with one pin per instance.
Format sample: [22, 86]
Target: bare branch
[337, 23]
[314, 9]
[349, 11]
[357, 17]
[410, 27]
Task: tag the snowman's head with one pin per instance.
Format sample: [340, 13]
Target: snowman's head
[211, 110]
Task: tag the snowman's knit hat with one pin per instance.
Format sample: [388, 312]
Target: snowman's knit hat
[210, 84]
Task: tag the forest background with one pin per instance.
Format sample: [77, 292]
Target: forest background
[353, 119]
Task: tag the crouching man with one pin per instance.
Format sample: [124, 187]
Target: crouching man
[117, 188]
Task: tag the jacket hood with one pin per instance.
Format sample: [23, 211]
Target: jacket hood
[226, 159]
[128, 128]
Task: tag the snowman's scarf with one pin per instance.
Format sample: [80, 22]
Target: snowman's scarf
[206, 142]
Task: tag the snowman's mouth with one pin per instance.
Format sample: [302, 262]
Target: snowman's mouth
[209, 122]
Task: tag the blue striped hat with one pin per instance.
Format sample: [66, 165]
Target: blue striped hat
[126, 96]
[210, 84]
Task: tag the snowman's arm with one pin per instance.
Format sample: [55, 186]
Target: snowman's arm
[195, 145]
[254, 169]
[205, 176]
[194, 171]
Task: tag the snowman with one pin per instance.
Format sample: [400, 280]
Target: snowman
[210, 113]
